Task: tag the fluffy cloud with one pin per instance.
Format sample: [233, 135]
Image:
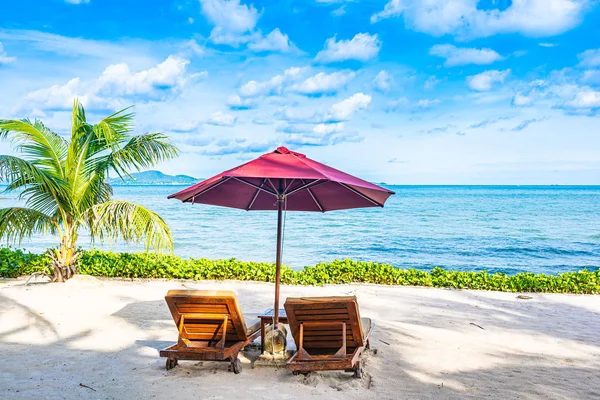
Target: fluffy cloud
[221, 119]
[586, 99]
[230, 16]
[383, 81]
[323, 83]
[361, 47]
[430, 83]
[290, 81]
[116, 83]
[589, 58]
[404, 103]
[235, 102]
[323, 134]
[462, 56]
[591, 76]
[4, 58]
[270, 87]
[346, 108]
[485, 80]
[466, 19]
[235, 25]
[521, 100]
[274, 41]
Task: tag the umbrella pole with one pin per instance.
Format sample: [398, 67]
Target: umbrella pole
[278, 261]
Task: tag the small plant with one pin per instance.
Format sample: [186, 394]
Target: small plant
[14, 263]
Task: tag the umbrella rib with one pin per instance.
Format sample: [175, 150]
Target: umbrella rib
[314, 198]
[254, 186]
[360, 194]
[193, 197]
[262, 182]
[309, 185]
[273, 186]
[290, 185]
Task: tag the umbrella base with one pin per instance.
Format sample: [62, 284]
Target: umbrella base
[275, 340]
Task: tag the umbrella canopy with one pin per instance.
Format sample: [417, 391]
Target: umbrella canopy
[285, 180]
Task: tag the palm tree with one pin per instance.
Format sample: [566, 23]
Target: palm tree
[64, 183]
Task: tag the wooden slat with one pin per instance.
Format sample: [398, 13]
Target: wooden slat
[202, 308]
[322, 311]
[326, 332]
[325, 317]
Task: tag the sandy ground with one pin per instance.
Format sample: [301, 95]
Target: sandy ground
[106, 335]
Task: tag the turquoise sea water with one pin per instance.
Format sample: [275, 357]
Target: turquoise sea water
[545, 229]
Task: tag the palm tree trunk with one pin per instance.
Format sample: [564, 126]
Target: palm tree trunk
[64, 257]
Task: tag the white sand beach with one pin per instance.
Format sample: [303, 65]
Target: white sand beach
[105, 334]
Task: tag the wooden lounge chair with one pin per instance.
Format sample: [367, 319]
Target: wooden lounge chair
[211, 327]
[329, 334]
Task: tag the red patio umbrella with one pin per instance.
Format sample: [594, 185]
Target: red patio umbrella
[285, 180]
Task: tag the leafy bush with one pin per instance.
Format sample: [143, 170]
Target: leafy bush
[15, 263]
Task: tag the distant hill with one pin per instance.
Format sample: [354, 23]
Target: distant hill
[154, 178]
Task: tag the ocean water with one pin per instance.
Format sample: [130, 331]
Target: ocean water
[542, 229]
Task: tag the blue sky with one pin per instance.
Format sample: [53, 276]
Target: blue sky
[401, 91]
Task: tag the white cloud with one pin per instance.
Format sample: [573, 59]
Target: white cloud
[546, 44]
[383, 81]
[589, 58]
[346, 108]
[431, 82]
[586, 99]
[361, 47]
[274, 41]
[463, 18]
[235, 102]
[485, 80]
[521, 100]
[194, 47]
[338, 12]
[323, 83]
[77, 1]
[403, 103]
[462, 56]
[221, 119]
[273, 86]
[591, 76]
[230, 16]
[235, 25]
[427, 103]
[326, 129]
[4, 58]
[116, 83]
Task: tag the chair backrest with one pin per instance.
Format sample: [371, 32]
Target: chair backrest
[203, 313]
[314, 311]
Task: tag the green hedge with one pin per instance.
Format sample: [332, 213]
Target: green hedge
[14, 263]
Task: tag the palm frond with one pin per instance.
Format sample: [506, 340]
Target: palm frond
[37, 142]
[118, 219]
[17, 223]
[115, 129]
[142, 152]
[18, 173]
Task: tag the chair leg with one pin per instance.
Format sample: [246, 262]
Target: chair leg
[235, 365]
[171, 363]
[358, 372]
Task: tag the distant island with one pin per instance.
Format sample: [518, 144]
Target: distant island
[153, 178]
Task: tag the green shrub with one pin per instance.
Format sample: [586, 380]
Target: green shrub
[14, 263]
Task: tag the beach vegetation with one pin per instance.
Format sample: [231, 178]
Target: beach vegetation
[15, 263]
[63, 184]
